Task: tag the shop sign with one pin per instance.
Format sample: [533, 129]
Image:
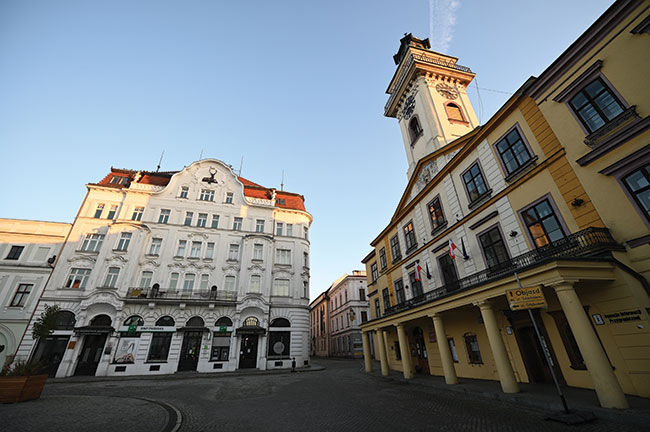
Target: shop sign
[222, 329]
[132, 329]
[526, 298]
[624, 316]
[147, 329]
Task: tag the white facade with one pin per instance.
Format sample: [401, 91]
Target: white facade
[193, 270]
[349, 308]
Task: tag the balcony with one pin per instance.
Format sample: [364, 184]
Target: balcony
[582, 244]
[160, 295]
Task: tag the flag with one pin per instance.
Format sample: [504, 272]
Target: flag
[418, 269]
[462, 245]
[452, 249]
[428, 272]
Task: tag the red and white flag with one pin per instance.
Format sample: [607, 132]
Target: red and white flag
[452, 249]
[418, 269]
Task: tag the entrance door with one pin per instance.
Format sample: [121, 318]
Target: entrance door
[49, 353]
[190, 350]
[449, 274]
[90, 355]
[422, 365]
[248, 352]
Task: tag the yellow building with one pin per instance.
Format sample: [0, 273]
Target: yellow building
[553, 190]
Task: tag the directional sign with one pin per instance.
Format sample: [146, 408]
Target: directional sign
[526, 298]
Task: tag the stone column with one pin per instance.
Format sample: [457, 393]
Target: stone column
[367, 359]
[405, 351]
[605, 383]
[504, 368]
[383, 360]
[445, 353]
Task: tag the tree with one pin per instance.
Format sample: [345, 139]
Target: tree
[45, 324]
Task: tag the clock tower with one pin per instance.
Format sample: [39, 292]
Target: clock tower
[429, 99]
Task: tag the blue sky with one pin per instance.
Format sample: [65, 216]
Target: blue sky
[297, 86]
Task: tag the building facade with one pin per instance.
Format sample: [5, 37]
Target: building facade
[319, 320]
[348, 310]
[170, 271]
[551, 193]
[27, 253]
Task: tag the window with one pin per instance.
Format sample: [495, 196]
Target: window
[21, 295]
[137, 214]
[454, 113]
[98, 211]
[305, 289]
[409, 237]
[180, 252]
[377, 310]
[164, 216]
[436, 216]
[452, 348]
[415, 130]
[362, 294]
[596, 105]
[154, 249]
[123, 244]
[513, 152]
[374, 274]
[278, 228]
[542, 223]
[236, 224]
[386, 295]
[416, 285]
[206, 195]
[305, 231]
[448, 270]
[395, 251]
[77, 278]
[289, 230]
[188, 283]
[134, 320]
[184, 191]
[92, 242]
[494, 249]
[229, 284]
[398, 352]
[254, 286]
[111, 277]
[195, 251]
[160, 343]
[279, 344]
[258, 252]
[119, 180]
[283, 256]
[229, 197]
[145, 279]
[569, 341]
[188, 218]
[474, 183]
[215, 221]
[209, 250]
[382, 258]
[281, 287]
[202, 220]
[400, 297]
[364, 316]
[473, 352]
[638, 184]
[305, 259]
[233, 252]
[205, 279]
[259, 225]
[173, 281]
[111, 212]
[220, 347]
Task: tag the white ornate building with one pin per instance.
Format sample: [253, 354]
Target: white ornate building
[349, 308]
[191, 270]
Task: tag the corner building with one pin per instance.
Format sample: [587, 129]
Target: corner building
[177, 271]
[553, 189]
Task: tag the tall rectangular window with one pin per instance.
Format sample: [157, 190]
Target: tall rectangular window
[362, 294]
[638, 184]
[436, 216]
[215, 221]
[137, 214]
[416, 285]
[205, 280]
[159, 349]
[305, 231]
[145, 279]
[543, 225]
[395, 251]
[409, 237]
[123, 244]
[92, 242]
[278, 228]
[399, 292]
[209, 250]
[377, 309]
[305, 259]
[473, 351]
[188, 218]
[236, 224]
[77, 278]
[258, 252]
[111, 277]
[98, 211]
[233, 252]
[452, 348]
[374, 274]
[289, 230]
[259, 225]
[164, 216]
[22, 293]
[281, 287]
[182, 244]
[154, 249]
[382, 258]
[474, 183]
[195, 251]
[596, 105]
[386, 296]
[188, 282]
[14, 252]
[206, 195]
[494, 249]
[112, 212]
[173, 281]
[229, 284]
[283, 256]
[254, 286]
[229, 197]
[202, 220]
[184, 192]
[364, 316]
[513, 151]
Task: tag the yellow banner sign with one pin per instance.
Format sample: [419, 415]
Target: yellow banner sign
[526, 298]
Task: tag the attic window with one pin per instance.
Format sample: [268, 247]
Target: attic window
[280, 201]
[119, 180]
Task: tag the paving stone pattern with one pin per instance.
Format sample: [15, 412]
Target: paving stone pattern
[339, 398]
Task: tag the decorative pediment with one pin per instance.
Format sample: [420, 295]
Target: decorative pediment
[178, 265]
[150, 263]
[283, 273]
[107, 298]
[230, 268]
[257, 267]
[426, 174]
[197, 235]
[118, 258]
[81, 258]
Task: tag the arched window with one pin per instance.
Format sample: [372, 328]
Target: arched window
[135, 320]
[280, 322]
[165, 321]
[454, 112]
[195, 322]
[65, 320]
[415, 130]
[251, 322]
[101, 320]
[224, 321]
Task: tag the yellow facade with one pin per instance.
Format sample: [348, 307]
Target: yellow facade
[559, 215]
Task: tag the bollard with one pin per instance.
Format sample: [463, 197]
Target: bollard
[293, 365]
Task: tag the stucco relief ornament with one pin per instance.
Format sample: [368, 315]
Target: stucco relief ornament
[426, 175]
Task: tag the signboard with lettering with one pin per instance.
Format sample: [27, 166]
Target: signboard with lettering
[624, 316]
[526, 298]
[147, 329]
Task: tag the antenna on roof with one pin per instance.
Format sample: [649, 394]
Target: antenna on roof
[282, 183]
[240, 165]
[201, 155]
[160, 161]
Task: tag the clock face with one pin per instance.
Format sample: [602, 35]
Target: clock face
[409, 106]
[447, 91]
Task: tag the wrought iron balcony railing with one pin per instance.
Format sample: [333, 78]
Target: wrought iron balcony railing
[149, 294]
[585, 243]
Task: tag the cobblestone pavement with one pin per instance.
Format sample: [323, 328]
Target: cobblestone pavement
[339, 398]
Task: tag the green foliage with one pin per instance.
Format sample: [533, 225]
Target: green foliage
[21, 368]
[45, 324]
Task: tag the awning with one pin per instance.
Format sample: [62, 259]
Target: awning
[250, 330]
[93, 330]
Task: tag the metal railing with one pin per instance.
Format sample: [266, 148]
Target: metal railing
[168, 294]
[587, 242]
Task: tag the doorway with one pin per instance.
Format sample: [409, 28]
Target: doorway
[248, 352]
[189, 358]
[49, 353]
[91, 354]
[422, 364]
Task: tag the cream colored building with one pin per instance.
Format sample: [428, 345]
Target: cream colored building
[348, 310]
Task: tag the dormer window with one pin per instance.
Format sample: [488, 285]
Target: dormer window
[454, 113]
[415, 130]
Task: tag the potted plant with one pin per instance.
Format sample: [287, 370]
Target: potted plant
[21, 380]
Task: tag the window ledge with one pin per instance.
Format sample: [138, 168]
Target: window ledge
[178, 257]
[524, 168]
[152, 255]
[480, 200]
[439, 228]
[121, 251]
[88, 252]
[232, 260]
[193, 258]
[208, 259]
[411, 249]
[255, 260]
[597, 136]
[454, 121]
